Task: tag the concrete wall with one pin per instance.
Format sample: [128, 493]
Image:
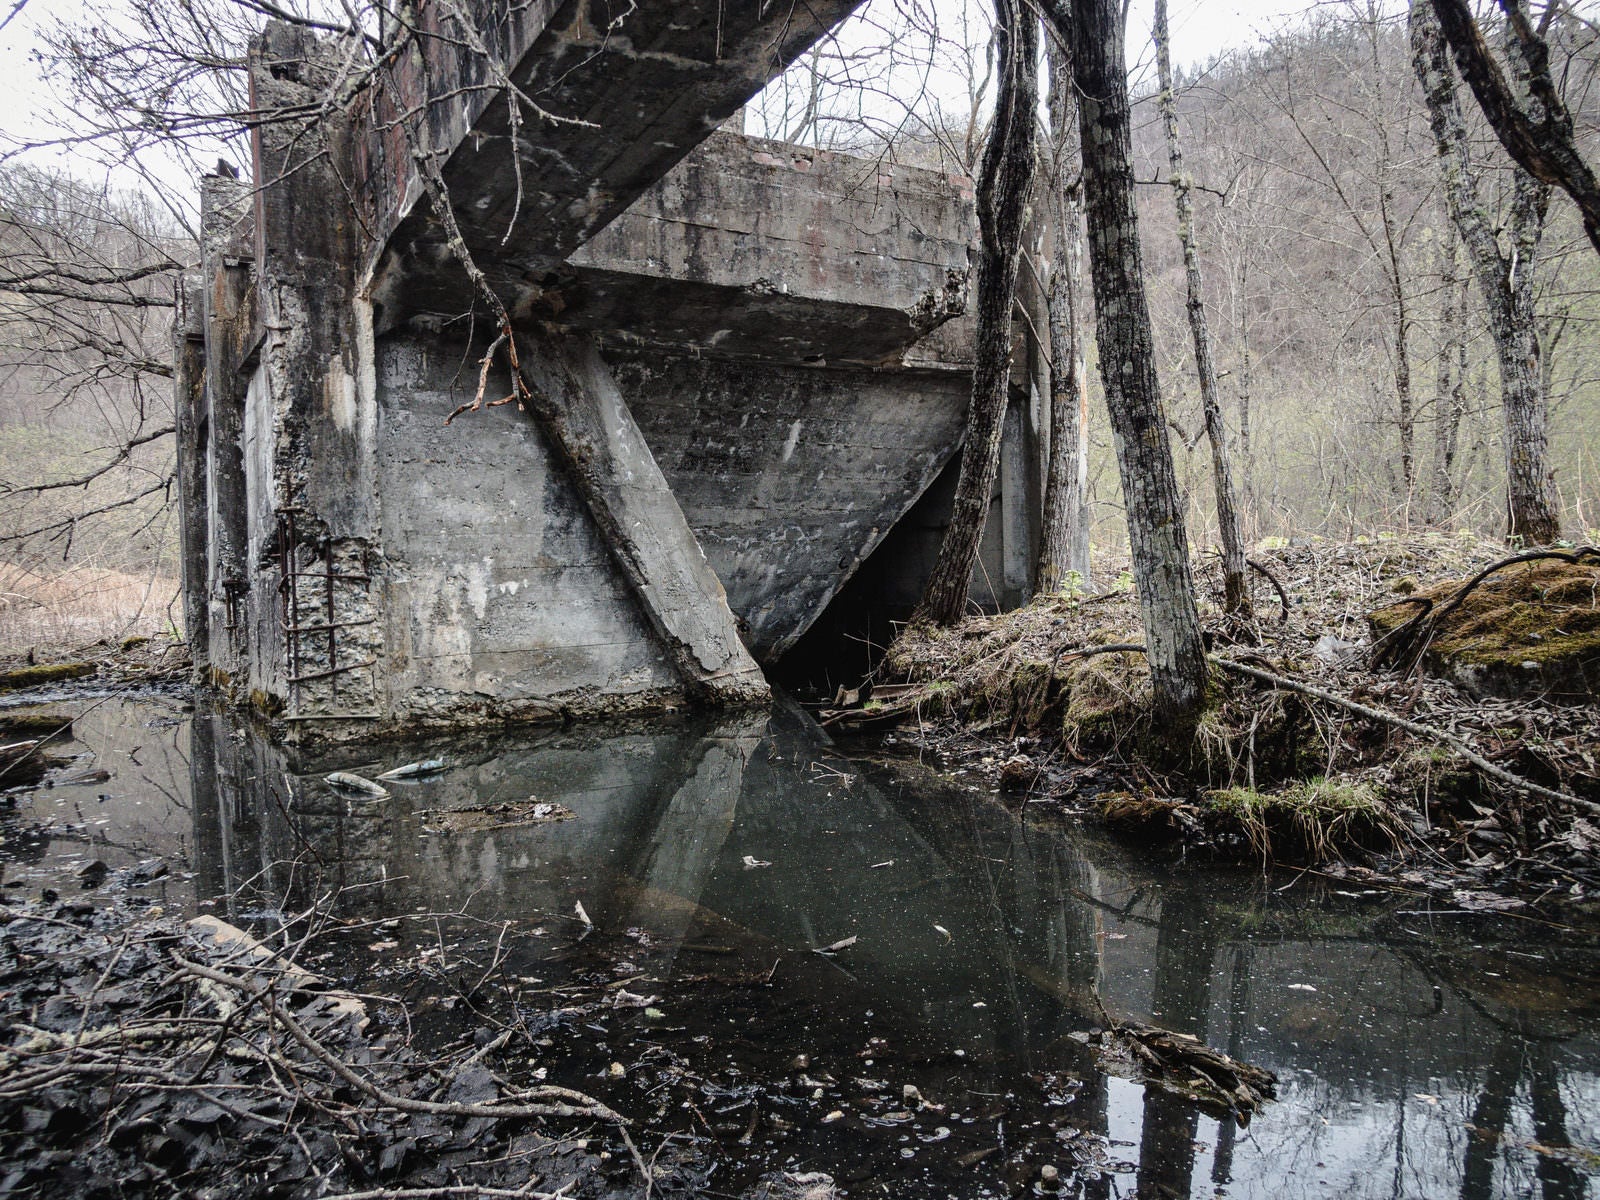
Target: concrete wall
[791, 477]
[500, 595]
[759, 250]
[720, 426]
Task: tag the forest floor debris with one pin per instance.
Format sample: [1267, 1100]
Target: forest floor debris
[146, 1056]
[1048, 703]
[108, 662]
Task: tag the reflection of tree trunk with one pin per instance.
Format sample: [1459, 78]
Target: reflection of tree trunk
[1558, 1179]
[210, 850]
[1490, 1117]
[1181, 1001]
[1238, 1017]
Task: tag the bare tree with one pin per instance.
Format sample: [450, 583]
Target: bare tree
[1536, 132]
[1235, 585]
[1004, 184]
[1064, 537]
[1349, 116]
[85, 305]
[1450, 382]
[1156, 532]
[1505, 282]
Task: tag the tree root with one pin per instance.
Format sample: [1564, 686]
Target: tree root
[1404, 646]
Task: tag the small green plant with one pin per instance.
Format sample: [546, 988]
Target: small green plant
[1073, 585]
[1124, 582]
[1317, 815]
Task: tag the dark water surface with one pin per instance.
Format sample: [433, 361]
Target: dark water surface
[1422, 1051]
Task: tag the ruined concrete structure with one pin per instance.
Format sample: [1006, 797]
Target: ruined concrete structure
[741, 381]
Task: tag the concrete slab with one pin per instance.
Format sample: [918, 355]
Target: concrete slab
[759, 250]
[629, 88]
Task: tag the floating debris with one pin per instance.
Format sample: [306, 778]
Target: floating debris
[348, 781]
[411, 770]
[478, 818]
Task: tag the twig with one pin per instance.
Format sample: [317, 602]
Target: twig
[1283, 596]
[453, 1189]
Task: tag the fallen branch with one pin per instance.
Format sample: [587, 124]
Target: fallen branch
[1080, 652]
[1283, 596]
[451, 1189]
[1414, 727]
[568, 1103]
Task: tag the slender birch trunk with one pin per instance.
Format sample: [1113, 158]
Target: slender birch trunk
[1235, 584]
[1449, 401]
[1003, 185]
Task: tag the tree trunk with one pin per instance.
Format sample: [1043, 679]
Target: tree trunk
[1405, 418]
[1235, 585]
[1504, 281]
[1540, 137]
[1449, 402]
[1156, 532]
[1064, 540]
[1252, 511]
[1003, 185]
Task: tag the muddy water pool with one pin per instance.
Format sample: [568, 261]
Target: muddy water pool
[754, 942]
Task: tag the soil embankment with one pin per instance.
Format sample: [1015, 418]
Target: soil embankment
[1319, 745]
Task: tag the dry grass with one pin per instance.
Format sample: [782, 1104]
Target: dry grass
[80, 606]
[1310, 819]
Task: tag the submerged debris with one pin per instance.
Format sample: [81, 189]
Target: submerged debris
[1184, 1064]
[506, 815]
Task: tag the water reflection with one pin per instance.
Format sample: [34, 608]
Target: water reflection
[1422, 1052]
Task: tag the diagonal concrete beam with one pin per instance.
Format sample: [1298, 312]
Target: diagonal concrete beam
[581, 411]
[625, 89]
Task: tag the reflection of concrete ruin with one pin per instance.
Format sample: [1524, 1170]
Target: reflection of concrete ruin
[747, 387]
[984, 933]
